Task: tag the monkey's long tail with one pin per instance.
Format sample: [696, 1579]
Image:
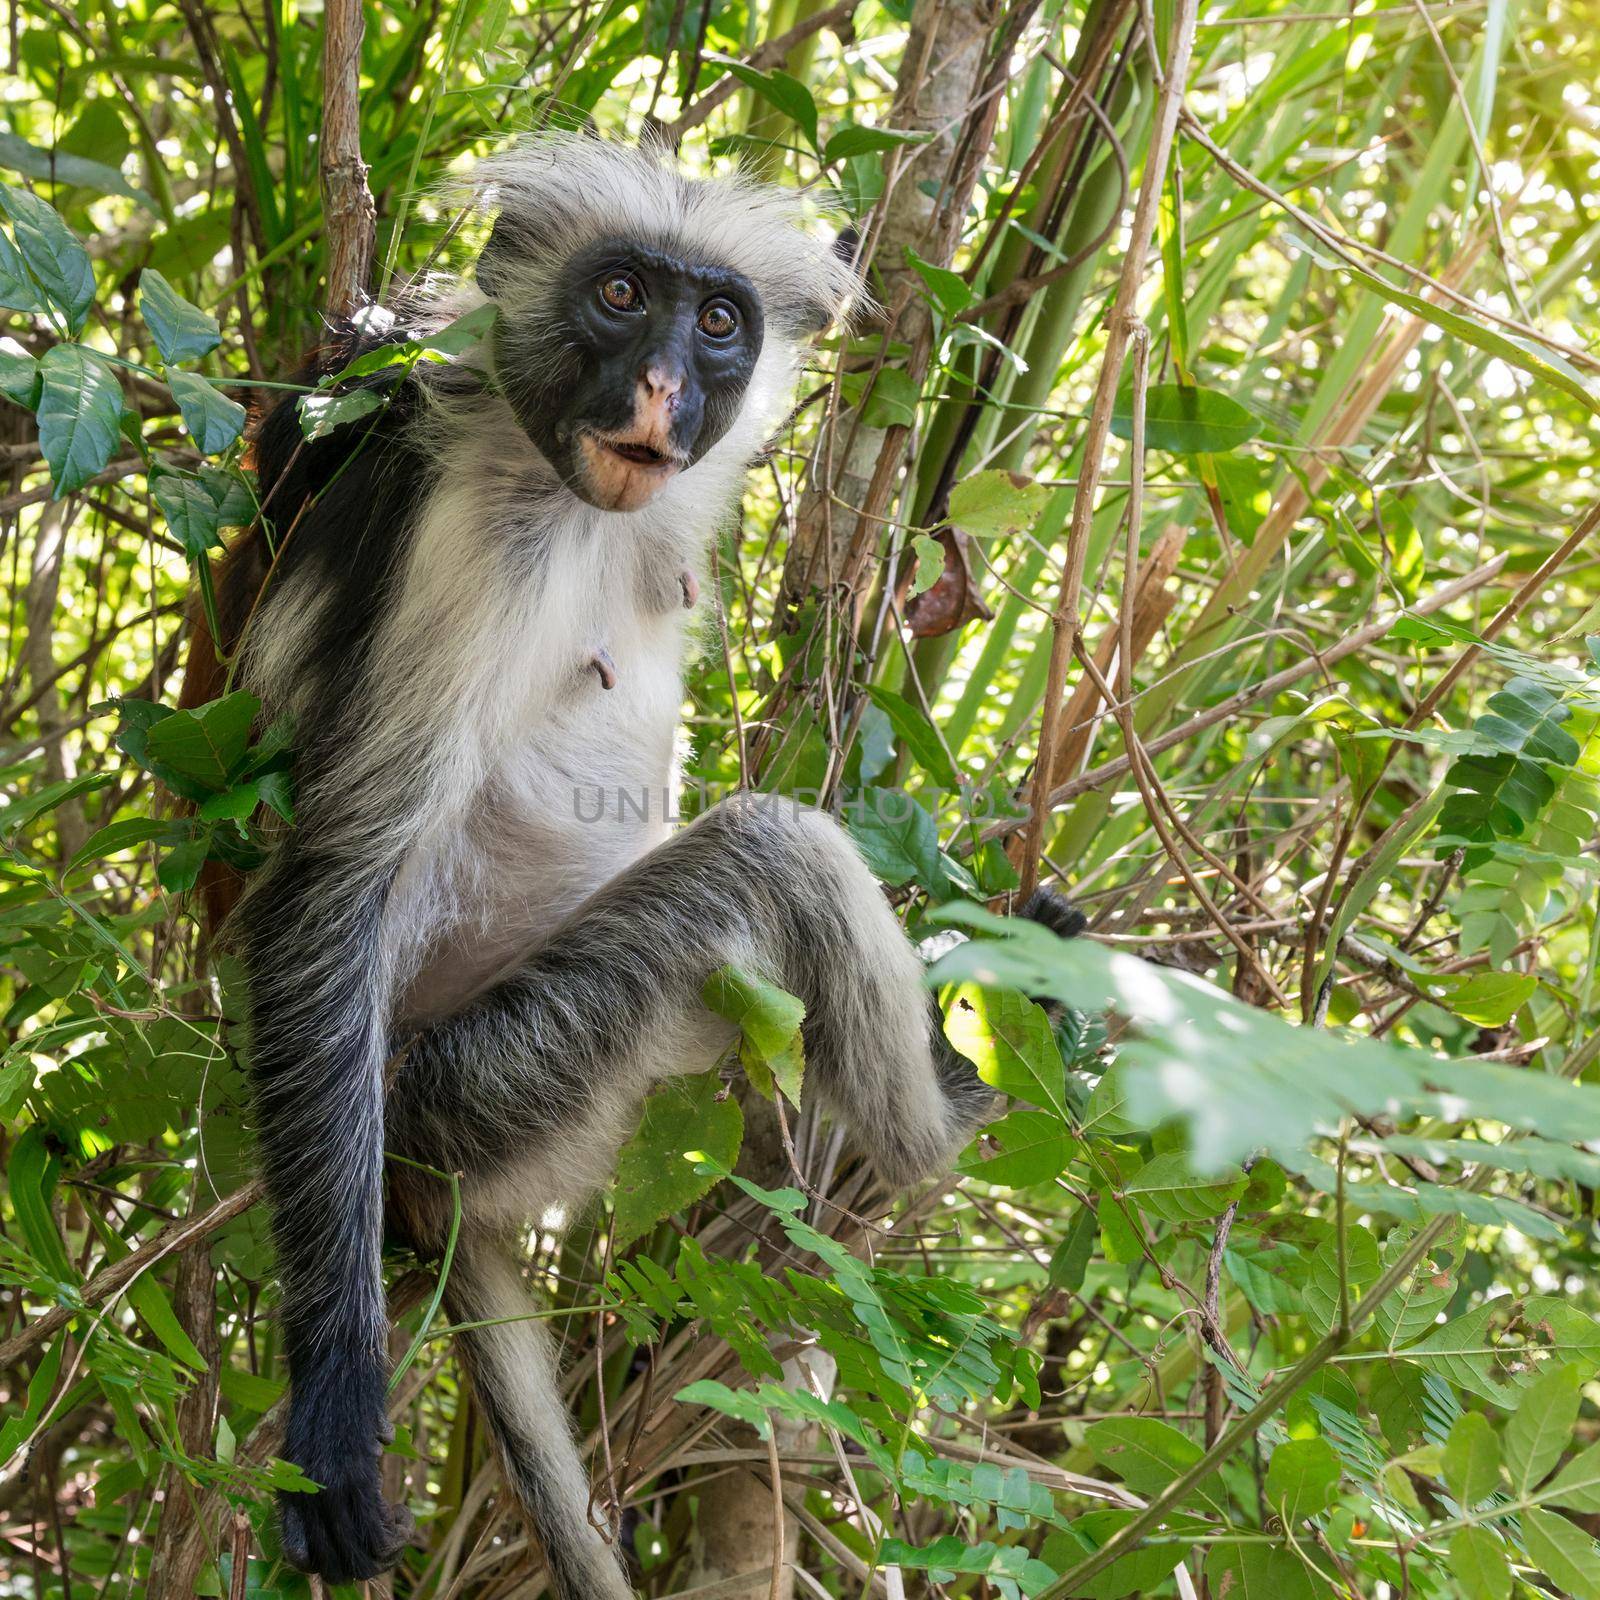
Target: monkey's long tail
[511, 1360]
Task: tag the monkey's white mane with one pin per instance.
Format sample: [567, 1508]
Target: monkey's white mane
[560, 192]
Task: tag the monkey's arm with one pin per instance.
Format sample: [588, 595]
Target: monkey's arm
[612, 1002]
[308, 937]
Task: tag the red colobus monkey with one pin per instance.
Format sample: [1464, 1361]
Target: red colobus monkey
[477, 613]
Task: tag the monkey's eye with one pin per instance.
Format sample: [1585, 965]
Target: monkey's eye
[622, 293]
[718, 321]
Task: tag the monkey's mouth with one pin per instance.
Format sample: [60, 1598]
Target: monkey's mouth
[623, 473]
[639, 454]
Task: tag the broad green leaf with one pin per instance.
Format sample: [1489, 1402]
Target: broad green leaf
[1414, 1307]
[898, 839]
[1034, 1147]
[1479, 1563]
[1302, 1478]
[1010, 1041]
[149, 1299]
[1167, 1186]
[768, 1019]
[58, 262]
[19, 373]
[1577, 1485]
[788, 94]
[18, 292]
[948, 290]
[1362, 1265]
[1563, 1552]
[1540, 1429]
[207, 743]
[684, 1116]
[213, 420]
[1186, 420]
[60, 165]
[1259, 1572]
[80, 412]
[917, 735]
[1070, 1262]
[1472, 1459]
[993, 503]
[182, 332]
[890, 402]
[852, 140]
[320, 414]
[1490, 999]
[191, 512]
[1148, 1454]
[26, 808]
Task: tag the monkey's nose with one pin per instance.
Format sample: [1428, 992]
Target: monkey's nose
[662, 383]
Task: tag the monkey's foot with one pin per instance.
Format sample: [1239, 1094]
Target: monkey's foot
[347, 1532]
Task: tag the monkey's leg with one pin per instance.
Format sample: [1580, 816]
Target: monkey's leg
[511, 1361]
[573, 1036]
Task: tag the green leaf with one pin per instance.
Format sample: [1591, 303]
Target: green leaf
[991, 504]
[930, 564]
[182, 332]
[1490, 999]
[916, 733]
[949, 291]
[1472, 1459]
[58, 262]
[1362, 1264]
[17, 290]
[1577, 1485]
[740, 1404]
[149, 1299]
[1034, 1147]
[60, 165]
[207, 743]
[19, 372]
[1010, 1041]
[1302, 1478]
[213, 420]
[892, 400]
[320, 414]
[1541, 1427]
[683, 1116]
[1070, 1262]
[1146, 1454]
[1167, 1186]
[778, 89]
[851, 140]
[191, 512]
[80, 413]
[31, 1173]
[897, 838]
[1258, 1572]
[1563, 1552]
[1186, 420]
[1535, 361]
[768, 1019]
[1478, 1561]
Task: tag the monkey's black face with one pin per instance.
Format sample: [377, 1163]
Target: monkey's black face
[641, 368]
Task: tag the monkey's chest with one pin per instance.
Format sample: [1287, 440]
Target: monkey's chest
[583, 784]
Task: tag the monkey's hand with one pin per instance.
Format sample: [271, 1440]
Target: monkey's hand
[347, 1531]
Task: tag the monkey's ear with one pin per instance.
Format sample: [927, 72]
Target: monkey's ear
[508, 243]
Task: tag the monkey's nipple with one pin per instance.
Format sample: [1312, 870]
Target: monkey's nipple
[690, 585]
[607, 668]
